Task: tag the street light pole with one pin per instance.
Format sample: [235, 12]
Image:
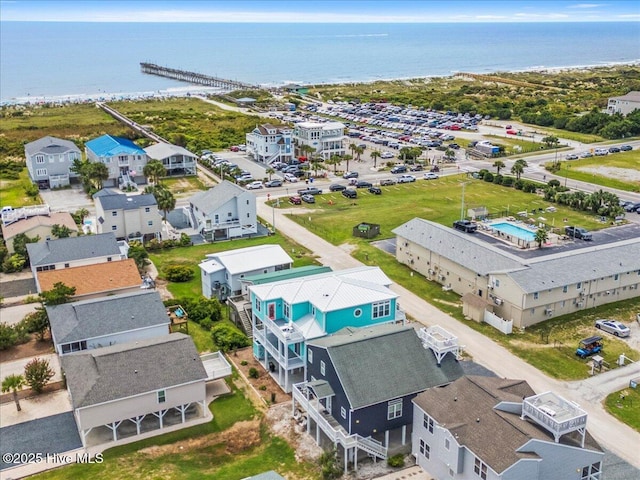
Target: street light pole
[566, 174]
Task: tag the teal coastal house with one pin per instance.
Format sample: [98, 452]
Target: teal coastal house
[124, 159]
[289, 313]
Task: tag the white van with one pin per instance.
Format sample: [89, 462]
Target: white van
[601, 152]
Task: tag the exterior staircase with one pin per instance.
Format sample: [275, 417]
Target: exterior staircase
[245, 320]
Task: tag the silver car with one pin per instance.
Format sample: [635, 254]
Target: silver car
[613, 327]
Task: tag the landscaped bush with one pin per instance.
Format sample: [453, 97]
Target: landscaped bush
[227, 337]
[178, 273]
[253, 373]
[498, 179]
[482, 173]
[14, 263]
[396, 461]
[8, 336]
[488, 177]
[206, 323]
[507, 181]
[37, 374]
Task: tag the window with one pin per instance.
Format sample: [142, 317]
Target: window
[258, 305]
[497, 283]
[447, 443]
[41, 172]
[74, 347]
[150, 223]
[616, 276]
[322, 367]
[381, 309]
[39, 158]
[108, 259]
[51, 159]
[357, 312]
[247, 202]
[394, 409]
[310, 356]
[565, 289]
[114, 227]
[229, 214]
[591, 472]
[147, 209]
[536, 295]
[343, 412]
[162, 396]
[247, 215]
[66, 265]
[578, 285]
[286, 309]
[425, 450]
[114, 213]
[427, 422]
[480, 469]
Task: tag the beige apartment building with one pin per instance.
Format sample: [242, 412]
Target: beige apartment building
[526, 291]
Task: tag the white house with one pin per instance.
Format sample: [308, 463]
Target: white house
[176, 160]
[624, 104]
[49, 160]
[124, 159]
[128, 217]
[326, 138]
[222, 273]
[498, 429]
[267, 143]
[106, 321]
[223, 212]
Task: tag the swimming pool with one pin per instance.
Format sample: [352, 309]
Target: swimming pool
[514, 230]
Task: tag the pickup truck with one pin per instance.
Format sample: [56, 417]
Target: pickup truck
[577, 232]
[309, 191]
[465, 226]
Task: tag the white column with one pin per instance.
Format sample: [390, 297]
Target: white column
[355, 458]
[404, 434]
[345, 459]
[386, 438]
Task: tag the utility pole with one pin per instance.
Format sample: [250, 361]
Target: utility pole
[462, 206]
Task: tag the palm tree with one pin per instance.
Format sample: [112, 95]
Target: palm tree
[334, 160]
[154, 170]
[82, 214]
[518, 168]
[315, 162]
[13, 383]
[358, 151]
[269, 171]
[498, 164]
[541, 236]
[97, 173]
[166, 201]
[375, 155]
[306, 150]
[346, 158]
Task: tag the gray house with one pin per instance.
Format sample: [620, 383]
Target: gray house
[49, 160]
[499, 429]
[361, 383]
[107, 321]
[132, 388]
[129, 217]
[176, 160]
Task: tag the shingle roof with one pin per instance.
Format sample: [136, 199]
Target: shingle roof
[466, 408]
[633, 96]
[209, 201]
[72, 322]
[380, 363]
[27, 224]
[96, 278]
[128, 369]
[250, 258]
[459, 247]
[50, 145]
[160, 151]
[73, 248]
[126, 202]
[108, 146]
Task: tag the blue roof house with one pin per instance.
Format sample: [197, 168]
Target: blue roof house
[289, 313]
[124, 159]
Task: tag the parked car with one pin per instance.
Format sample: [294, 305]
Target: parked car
[350, 175]
[387, 181]
[614, 149]
[601, 152]
[416, 168]
[613, 327]
[290, 177]
[406, 179]
[308, 198]
[350, 193]
[589, 346]
[632, 207]
[571, 156]
[387, 155]
[254, 185]
[310, 191]
[626, 148]
[399, 169]
[431, 176]
[295, 200]
[273, 183]
[512, 132]
[577, 232]
[336, 187]
[363, 184]
[586, 155]
[375, 190]
[466, 226]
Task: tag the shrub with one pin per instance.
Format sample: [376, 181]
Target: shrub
[253, 373]
[529, 187]
[227, 337]
[14, 263]
[179, 273]
[244, 363]
[498, 179]
[553, 183]
[488, 177]
[31, 190]
[482, 173]
[37, 374]
[508, 181]
[206, 323]
[8, 336]
[185, 240]
[396, 461]
[519, 184]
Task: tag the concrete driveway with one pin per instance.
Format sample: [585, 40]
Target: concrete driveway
[68, 200]
[13, 315]
[16, 367]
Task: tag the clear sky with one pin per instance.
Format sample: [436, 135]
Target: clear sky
[327, 11]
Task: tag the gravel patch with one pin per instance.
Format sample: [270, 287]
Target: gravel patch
[626, 174]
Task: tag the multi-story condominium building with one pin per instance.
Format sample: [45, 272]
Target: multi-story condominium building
[49, 160]
[177, 160]
[124, 159]
[267, 143]
[624, 104]
[289, 313]
[128, 217]
[326, 138]
[525, 291]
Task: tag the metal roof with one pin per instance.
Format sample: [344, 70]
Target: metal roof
[160, 151]
[211, 200]
[73, 248]
[128, 369]
[247, 259]
[108, 146]
[286, 274]
[120, 201]
[72, 322]
[379, 363]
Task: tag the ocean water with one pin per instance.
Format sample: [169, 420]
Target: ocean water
[40, 59]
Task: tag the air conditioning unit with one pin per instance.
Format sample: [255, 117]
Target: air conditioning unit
[579, 304]
[490, 287]
[431, 272]
[548, 311]
[498, 301]
[608, 292]
[582, 294]
[442, 277]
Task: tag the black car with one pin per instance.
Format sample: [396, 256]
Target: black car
[350, 193]
[465, 225]
[375, 190]
[614, 149]
[626, 148]
[363, 184]
[632, 207]
[273, 183]
[350, 175]
[399, 169]
[336, 187]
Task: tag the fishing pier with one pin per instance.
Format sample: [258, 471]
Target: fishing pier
[195, 78]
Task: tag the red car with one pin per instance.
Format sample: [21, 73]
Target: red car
[455, 127]
[295, 200]
[234, 149]
[512, 132]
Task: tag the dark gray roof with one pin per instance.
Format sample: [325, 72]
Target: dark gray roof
[212, 199]
[120, 371]
[459, 247]
[126, 202]
[72, 322]
[567, 268]
[467, 408]
[73, 248]
[383, 362]
[104, 192]
[50, 145]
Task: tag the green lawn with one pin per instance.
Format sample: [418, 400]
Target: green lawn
[625, 405]
[333, 216]
[568, 135]
[13, 193]
[629, 161]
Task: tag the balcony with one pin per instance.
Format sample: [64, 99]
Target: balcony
[276, 338]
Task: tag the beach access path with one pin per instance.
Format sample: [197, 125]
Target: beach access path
[611, 433]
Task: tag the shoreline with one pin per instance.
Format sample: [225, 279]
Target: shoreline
[189, 90]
